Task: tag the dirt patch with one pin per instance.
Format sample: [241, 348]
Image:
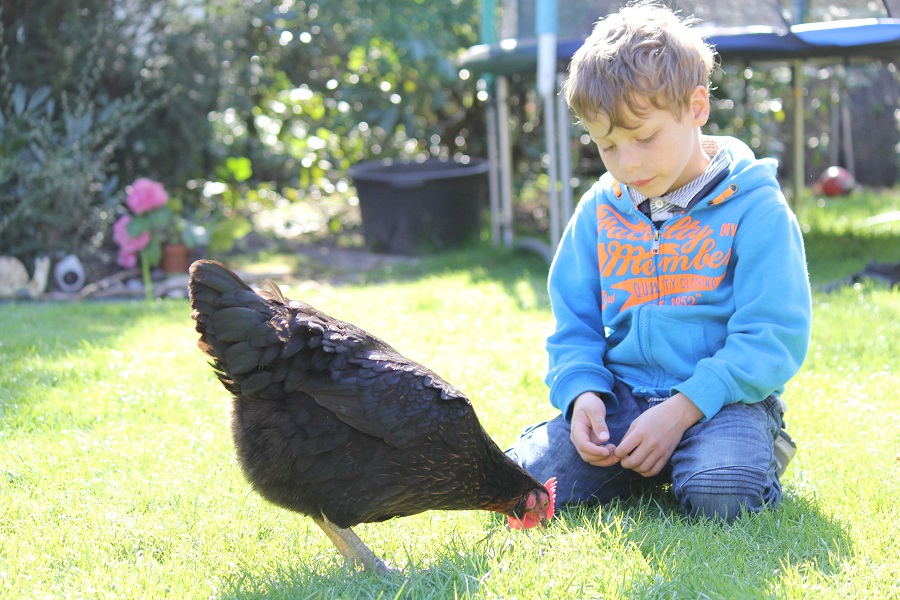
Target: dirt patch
[321, 263]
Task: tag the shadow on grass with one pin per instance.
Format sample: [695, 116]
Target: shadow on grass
[678, 557]
[479, 261]
[686, 557]
[832, 257]
[438, 582]
[458, 574]
[703, 558]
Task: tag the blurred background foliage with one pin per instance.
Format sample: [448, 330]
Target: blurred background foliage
[238, 105]
[228, 103]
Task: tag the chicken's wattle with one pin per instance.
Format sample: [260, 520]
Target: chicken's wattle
[529, 520]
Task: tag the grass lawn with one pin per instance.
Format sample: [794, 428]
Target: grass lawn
[118, 477]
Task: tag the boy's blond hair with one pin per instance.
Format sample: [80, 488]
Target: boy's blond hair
[641, 58]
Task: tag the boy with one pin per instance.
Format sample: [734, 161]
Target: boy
[679, 289]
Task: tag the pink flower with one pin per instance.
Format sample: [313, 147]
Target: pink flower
[146, 195]
[127, 260]
[128, 244]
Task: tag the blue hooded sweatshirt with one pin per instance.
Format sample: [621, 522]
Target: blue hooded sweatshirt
[714, 303]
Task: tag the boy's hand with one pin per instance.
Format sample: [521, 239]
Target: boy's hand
[652, 437]
[589, 433]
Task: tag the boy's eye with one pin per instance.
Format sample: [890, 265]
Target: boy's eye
[649, 138]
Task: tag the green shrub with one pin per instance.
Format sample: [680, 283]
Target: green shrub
[56, 169]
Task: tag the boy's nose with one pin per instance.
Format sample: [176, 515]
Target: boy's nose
[629, 158]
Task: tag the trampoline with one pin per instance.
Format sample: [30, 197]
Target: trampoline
[541, 36]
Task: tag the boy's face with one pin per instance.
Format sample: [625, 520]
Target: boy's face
[662, 153]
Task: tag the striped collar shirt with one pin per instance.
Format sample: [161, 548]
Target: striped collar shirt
[677, 201]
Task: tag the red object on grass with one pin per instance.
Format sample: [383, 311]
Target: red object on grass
[835, 181]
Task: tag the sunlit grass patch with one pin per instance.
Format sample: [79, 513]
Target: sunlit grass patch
[118, 476]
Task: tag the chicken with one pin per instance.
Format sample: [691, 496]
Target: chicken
[332, 422]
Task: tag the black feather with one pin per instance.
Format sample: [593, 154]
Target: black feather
[330, 420]
[240, 358]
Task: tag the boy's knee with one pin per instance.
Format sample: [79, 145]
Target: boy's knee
[722, 493]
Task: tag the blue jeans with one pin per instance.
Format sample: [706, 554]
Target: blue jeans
[719, 466]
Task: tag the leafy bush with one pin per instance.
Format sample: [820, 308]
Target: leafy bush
[344, 81]
[56, 162]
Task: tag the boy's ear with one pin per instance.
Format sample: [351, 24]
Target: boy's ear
[698, 107]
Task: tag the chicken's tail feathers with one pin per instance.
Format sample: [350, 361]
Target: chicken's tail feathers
[215, 276]
[232, 320]
[213, 286]
[274, 292]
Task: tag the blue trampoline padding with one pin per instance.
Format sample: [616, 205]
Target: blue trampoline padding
[502, 58]
[874, 38]
[755, 43]
[852, 32]
[750, 43]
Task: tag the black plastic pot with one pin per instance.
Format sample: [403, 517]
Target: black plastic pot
[416, 207]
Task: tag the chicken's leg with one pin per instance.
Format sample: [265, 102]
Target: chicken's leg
[353, 549]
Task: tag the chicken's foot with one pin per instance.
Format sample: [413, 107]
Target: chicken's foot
[353, 549]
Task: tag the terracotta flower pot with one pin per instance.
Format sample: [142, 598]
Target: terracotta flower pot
[176, 258]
